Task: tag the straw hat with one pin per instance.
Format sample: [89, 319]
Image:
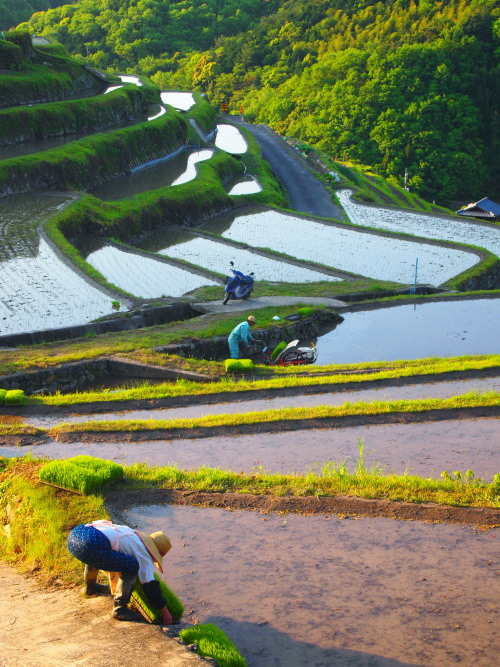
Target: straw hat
[251, 319]
[158, 544]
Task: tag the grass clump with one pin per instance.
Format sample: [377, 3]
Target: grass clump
[173, 604]
[81, 473]
[213, 642]
[13, 397]
[238, 365]
[305, 312]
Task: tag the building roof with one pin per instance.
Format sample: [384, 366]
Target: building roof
[484, 208]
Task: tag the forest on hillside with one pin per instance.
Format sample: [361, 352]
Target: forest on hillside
[402, 86]
[13, 12]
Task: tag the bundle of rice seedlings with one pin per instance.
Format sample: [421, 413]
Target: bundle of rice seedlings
[173, 604]
[238, 365]
[13, 397]
[279, 348]
[81, 473]
[214, 643]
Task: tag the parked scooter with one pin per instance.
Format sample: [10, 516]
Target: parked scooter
[292, 354]
[238, 286]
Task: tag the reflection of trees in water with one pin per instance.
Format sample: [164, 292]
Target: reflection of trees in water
[20, 217]
[164, 238]
[221, 223]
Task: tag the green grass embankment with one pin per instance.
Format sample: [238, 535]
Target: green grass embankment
[75, 116]
[287, 377]
[361, 408]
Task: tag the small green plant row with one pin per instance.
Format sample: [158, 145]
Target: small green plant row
[173, 604]
[12, 397]
[327, 479]
[469, 400]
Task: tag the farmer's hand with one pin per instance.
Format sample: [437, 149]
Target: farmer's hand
[166, 616]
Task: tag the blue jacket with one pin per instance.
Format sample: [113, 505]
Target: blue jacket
[241, 333]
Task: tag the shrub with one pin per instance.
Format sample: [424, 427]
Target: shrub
[213, 642]
[173, 604]
[14, 397]
[238, 365]
[81, 473]
[305, 312]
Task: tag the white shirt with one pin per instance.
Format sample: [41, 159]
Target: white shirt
[126, 540]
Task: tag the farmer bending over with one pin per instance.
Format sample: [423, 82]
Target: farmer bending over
[103, 545]
[240, 334]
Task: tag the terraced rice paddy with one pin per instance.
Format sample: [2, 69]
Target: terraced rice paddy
[413, 331]
[183, 101]
[479, 234]
[247, 186]
[215, 256]
[230, 139]
[344, 249]
[39, 290]
[144, 276]
[171, 171]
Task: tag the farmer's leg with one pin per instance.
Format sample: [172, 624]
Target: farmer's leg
[234, 349]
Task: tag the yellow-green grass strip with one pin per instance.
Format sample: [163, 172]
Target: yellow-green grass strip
[469, 400]
[289, 377]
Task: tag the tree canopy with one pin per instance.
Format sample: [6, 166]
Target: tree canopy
[399, 85]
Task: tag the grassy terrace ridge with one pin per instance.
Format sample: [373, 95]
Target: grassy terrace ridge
[288, 377]
[469, 400]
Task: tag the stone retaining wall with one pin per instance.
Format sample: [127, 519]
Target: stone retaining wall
[217, 348]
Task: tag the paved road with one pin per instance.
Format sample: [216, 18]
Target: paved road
[305, 192]
[263, 301]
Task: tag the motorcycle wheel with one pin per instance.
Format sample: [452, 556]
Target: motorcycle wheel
[247, 296]
[226, 298]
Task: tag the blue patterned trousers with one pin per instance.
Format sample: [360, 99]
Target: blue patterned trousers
[93, 548]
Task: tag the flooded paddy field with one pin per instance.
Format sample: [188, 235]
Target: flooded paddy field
[424, 449]
[178, 100]
[144, 276]
[39, 290]
[245, 186]
[215, 256]
[230, 139]
[414, 331]
[303, 591]
[351, 250]
[484, 235]
[180, 168]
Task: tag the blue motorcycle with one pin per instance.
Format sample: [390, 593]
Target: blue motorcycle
[238, 286]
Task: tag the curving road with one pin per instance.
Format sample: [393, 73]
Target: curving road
[305, 191]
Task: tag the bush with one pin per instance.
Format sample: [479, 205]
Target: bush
[14, 397]
[213, 642]
[305, 312]
[173, 604]
[81, 473]
[238, 365]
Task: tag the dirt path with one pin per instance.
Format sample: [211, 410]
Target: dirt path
[58, 628]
